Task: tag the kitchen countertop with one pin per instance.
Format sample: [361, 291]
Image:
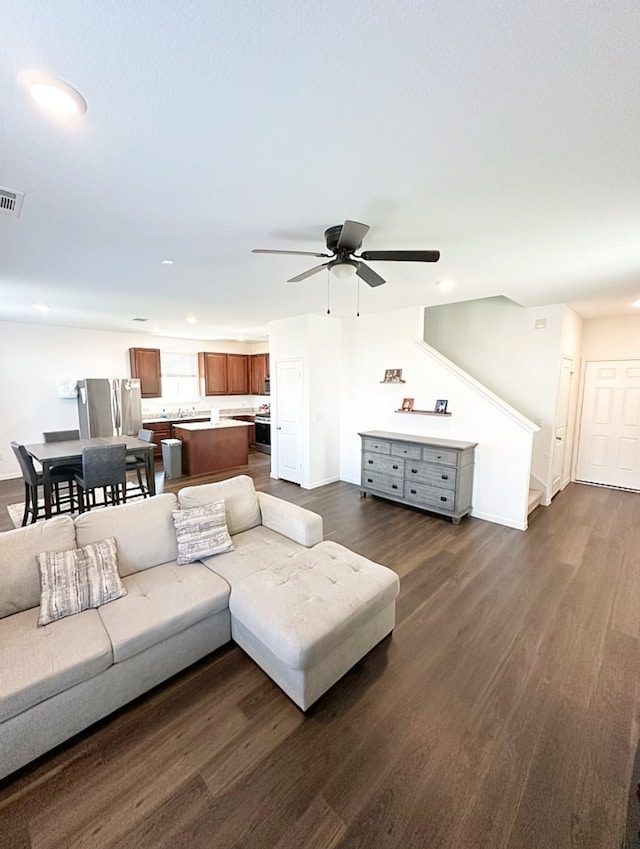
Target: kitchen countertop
[210, 425]
[197, 418]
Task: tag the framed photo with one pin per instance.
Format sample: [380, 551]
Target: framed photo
[407, 405]
[393, 375]
[441, 406]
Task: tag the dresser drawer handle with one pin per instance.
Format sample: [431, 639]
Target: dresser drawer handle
[394, 486]
[413, 492]
[443, 498]
[445, 477]
[370, 462]
[394, 466]
[369, 480]
[439, 456]
[414, 471]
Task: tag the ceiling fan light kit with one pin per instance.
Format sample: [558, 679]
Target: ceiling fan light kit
[343, 240]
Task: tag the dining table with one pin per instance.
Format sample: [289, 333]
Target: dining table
[49, 454]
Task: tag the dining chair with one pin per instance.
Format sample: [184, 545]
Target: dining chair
[63, 436]
[136, 464]
[34, 479]
[60, 435]
[103, 467]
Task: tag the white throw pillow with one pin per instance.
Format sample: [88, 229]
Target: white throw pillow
[201, 532]
[72, 581]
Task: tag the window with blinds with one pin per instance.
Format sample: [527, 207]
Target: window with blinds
[179, 376]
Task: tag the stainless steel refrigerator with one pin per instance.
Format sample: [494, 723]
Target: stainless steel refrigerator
[109, 406]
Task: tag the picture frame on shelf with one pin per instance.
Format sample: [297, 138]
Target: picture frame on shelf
[407, 405]
[393, 375]
[441, 406]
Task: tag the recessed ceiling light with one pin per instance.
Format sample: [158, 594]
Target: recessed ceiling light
[636, 304]
[53, 94]
[445, 285]
[42, 307]
[167, 262]
[191, 319]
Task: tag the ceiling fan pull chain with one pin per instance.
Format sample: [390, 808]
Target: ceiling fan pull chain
[328, 292]
[358, 303]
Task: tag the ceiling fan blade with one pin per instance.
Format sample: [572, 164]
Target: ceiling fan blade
[368, 275]
[308, 273]
[288, 253]
[402, 256]
[351, 236]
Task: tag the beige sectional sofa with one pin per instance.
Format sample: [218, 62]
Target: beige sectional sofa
[305, 610]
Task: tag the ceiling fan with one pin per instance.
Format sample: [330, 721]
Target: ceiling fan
[343, 241]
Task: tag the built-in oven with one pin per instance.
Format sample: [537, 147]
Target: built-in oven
[263, 434]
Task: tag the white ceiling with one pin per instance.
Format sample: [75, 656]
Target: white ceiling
[505, 134]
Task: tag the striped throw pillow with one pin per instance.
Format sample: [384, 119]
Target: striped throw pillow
[201, 532]
[72, 581]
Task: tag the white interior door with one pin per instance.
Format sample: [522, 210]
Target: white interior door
[609, 447]
[561, 474]
[288, 424]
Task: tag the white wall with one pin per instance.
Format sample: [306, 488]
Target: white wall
[388, 340]
[35, 359]
[612, 338]
[497, 341]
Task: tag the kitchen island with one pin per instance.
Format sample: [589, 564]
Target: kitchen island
[209, 447]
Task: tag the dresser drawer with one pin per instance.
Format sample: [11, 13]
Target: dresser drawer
[382, 465]
[442, 476]
[379, 446]
[382, 483]
[423, 495]
[434, 455]
[413, 452]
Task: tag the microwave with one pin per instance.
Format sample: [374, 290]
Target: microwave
[267, 386]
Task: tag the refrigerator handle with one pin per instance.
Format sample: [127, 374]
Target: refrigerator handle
[115, 407]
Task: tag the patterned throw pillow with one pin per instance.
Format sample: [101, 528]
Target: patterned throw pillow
[76, 580]
[201, 532]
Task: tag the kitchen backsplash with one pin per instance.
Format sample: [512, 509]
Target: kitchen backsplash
[194, 412]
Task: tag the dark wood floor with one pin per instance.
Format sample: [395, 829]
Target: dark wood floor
[502, 712]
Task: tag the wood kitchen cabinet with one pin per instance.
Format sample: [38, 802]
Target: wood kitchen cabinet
[145, 365]
[223, 374]
[258, 371]
[161, 430]
[213, 371]
[238, 374]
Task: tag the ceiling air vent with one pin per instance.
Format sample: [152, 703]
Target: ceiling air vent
[10, 202]
[139, 319]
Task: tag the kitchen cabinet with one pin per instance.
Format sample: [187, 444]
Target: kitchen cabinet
[213, 371]
[258, 371]
[161, 430]
[432, 474]
[238, 374]
[251, 430]
[223, 374]
[145, 365]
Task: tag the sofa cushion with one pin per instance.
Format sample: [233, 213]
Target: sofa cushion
[77, 580]
[240, 500]
[161, 602]
[19, 574]
[143, 531]
[201, 532]
[252, 550]
[306, 604]
[37, 663]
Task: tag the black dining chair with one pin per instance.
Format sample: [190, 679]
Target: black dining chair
[137, 463]
[103, 467]
[34, 479]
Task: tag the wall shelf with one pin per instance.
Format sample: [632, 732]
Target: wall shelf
[421, 413]
[393, 381]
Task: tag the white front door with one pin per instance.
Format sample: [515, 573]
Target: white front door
[609, 447]
[561, 464]
[288, 423]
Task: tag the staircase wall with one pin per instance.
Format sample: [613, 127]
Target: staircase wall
[374, 343]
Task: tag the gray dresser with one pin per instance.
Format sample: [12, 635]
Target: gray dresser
[433, 474]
